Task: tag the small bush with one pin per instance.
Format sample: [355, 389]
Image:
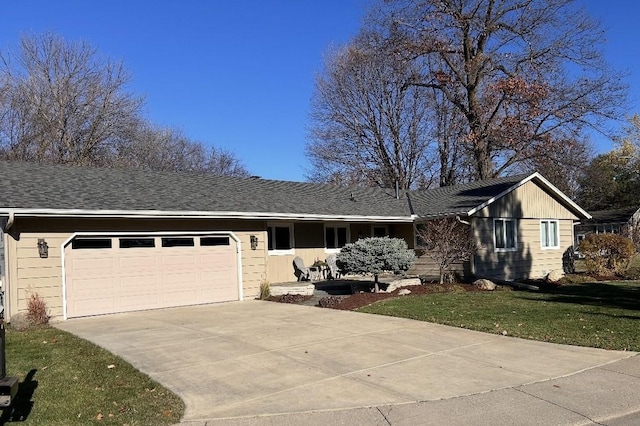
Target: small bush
[575, 279]
[265, 290]
[376, 255]
[607, 253]
[329, 302]
[37, 312]
[289, 298]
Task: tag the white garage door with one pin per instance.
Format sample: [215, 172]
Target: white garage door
[129, 273]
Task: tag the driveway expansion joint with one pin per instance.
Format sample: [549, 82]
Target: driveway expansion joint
[519, 389]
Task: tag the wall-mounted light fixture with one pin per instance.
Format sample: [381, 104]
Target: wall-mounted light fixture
[254, 242]
[43, 248]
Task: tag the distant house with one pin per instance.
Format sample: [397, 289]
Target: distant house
[612, 221]
[96, 241]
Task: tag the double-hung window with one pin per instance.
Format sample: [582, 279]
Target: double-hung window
[335, 237]
[504, 233]
[280, 238]
[549, 235]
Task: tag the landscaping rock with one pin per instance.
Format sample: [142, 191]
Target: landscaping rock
[404, 292]
[304, 290]
[20, 322]
[554, 276]
[394, 285]
[484, 284]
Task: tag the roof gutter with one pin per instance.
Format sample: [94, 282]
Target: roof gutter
[155, 214]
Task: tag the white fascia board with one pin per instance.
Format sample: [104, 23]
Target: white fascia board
[427, 218]
[156, 214]
[548, 185]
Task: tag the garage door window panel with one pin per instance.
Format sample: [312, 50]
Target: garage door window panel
[214, 241]
[91, 243]
[126, 243]
[177, 242]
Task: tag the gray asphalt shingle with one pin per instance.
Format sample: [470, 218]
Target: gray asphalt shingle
[34, 186]
[459, 199]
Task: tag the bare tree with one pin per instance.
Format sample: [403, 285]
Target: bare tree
[525, 76]
[168, 149]
[61, 103]
[447, 242]
[367, 125]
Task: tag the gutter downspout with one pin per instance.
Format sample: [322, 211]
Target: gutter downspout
[473, 257]
[10, 221]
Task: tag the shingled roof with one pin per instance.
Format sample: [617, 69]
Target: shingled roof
[27, 188]
[460, 199]
[46, 188]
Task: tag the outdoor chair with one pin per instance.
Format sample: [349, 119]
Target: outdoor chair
[334, 272]
[301, 271]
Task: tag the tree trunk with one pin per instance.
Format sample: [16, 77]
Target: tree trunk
[376, 288]
[441, 275]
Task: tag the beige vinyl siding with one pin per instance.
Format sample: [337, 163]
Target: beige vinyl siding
[527, 201]
[29, 273]
[34, 274]
[280, 267]
[530, 260]
[254, 263]
[309, 244]
[427, 267]
[2, 266]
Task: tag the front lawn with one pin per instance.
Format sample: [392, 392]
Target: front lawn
[600, 314]
[65, 380]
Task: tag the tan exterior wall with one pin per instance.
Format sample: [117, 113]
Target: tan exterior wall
[309, 245]
[527, 201]
[28, 273]
[530, 260]
[31, 274]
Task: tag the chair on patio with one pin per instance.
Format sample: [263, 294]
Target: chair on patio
[301, 272]
[334, 272]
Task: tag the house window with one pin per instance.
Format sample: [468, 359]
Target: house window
[280, 238]
[549, 236]
[380, 231]
[335, 237]
[504, 233]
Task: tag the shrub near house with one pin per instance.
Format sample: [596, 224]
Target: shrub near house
[376, 255]
[607, 253]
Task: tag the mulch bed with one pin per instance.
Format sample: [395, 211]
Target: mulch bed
[358, 300]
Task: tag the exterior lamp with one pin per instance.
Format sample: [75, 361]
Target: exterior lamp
[43, 248]
[254, 242]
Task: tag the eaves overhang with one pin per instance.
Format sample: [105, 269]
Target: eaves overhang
[157, 214]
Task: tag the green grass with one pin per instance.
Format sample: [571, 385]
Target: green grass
[602, 315]
[65, 380]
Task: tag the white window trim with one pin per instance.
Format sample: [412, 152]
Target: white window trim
[515, 235]
[556, 247]
[335, 225]
[275, 252]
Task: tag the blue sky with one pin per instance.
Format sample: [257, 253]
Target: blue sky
[239, 74]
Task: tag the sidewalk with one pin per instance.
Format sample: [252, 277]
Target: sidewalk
[604, 395]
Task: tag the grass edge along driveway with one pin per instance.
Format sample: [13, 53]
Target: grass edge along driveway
[596, 314]
[66, 380]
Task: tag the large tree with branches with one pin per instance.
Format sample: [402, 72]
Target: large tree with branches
[526, 76]
[518, 82]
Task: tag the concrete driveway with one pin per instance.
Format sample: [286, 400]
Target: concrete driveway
[252, 358]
